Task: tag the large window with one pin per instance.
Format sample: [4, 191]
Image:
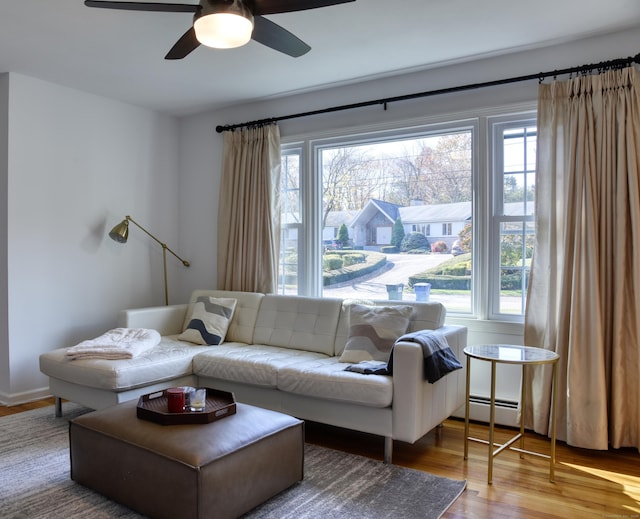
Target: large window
[407, 215]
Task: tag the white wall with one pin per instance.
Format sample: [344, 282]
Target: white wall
[199, 178]
[586, 51]
[4, 164]
[77, 164]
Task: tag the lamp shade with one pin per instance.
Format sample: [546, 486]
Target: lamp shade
[120, 232]
[223, 26]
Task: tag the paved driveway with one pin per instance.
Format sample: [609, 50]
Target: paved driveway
[400, 267]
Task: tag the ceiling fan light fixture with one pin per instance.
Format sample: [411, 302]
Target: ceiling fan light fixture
[224, 26]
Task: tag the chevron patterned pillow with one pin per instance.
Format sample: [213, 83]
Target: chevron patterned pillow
[207, 320]
[373, 330]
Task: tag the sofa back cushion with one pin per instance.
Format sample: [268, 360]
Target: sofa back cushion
[244, 318]
[425, 316]
[303, 323]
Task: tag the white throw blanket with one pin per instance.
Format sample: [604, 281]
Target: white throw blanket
[119, 343]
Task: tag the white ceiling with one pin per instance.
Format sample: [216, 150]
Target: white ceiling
[120, 54]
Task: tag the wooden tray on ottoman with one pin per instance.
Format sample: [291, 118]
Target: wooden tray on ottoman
[153, 407]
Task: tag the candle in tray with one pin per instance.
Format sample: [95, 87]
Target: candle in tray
[175, 400]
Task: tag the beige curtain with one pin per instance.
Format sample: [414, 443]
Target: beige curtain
[248, 211]
[584, 290]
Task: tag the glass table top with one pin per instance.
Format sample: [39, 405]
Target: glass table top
[510, 353]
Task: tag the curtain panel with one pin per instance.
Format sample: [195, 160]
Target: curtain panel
[584, 290]
[249, 210]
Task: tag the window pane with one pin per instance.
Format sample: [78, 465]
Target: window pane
[290, 188]
[514, 189]
[516, 250]
[396, 214]
[290, 215]
[519, 170]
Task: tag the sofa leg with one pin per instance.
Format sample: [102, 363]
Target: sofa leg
[388, 449]
[58, 406]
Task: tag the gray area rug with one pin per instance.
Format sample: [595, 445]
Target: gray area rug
[35, 482]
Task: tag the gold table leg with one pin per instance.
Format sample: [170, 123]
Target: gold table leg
[492, 420]
[523, 400]
[552, 461]
[466, 411]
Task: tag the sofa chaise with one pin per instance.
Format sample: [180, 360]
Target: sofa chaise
[280, 352]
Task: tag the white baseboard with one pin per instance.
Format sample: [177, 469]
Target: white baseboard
[10, 399]
[506, 412]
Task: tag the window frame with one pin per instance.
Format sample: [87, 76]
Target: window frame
[485, 279]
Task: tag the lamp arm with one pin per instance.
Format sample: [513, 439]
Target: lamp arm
[162, 244]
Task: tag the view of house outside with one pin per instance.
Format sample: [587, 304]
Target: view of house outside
[424, 187]
[397, 218]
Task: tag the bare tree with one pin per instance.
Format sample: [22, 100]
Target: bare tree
[290, 183]
[409, 177]
[450, 164]
[348, 179]
[437, 171]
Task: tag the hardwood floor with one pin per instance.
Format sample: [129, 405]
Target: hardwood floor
[6, 411]
[589, 484]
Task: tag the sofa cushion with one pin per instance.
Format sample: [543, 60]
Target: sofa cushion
[373, 330]
[326, 378]
[244, 317]
[207, 320]
[169, 359]
[302, 323]
[251, 364]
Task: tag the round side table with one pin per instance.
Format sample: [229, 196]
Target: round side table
[511, 354]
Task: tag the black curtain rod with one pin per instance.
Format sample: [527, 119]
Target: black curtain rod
[540, 76]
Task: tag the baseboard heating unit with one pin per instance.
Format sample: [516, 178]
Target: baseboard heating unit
[506, 411]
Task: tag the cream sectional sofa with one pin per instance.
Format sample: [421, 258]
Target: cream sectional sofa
[280, 352]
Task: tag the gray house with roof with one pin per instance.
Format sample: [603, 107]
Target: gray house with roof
[440, 222]
[333, 222]
[373, 225]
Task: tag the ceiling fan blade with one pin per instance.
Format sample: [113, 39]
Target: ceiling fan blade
[144, 6]
[184, 46]
[274, 36]
[261, 7]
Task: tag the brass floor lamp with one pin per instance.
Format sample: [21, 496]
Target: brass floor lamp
[120, 233]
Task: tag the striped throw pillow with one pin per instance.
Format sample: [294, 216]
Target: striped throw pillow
[207, 320]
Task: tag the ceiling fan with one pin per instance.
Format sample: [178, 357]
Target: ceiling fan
[229, 23]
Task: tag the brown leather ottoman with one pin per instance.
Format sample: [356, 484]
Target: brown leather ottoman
[222, 469]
